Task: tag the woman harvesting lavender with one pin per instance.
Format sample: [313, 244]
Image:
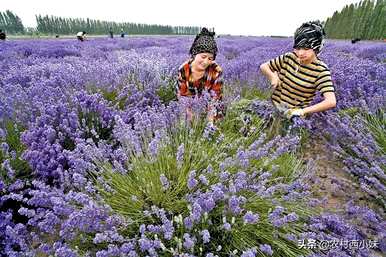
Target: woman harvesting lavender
[202, 74]
[297, 76]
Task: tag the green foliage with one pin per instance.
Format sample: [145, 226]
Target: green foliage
[362, 151]
[240, 120]
[364, 20]
[131, 193]
[352, 112]
[61, 25]
[111, 95]
[167, 92]
[92, 126]
[246, 91]
[15, 149]
[254, 93]
[143, 181]
[10, 22]
[376, 123]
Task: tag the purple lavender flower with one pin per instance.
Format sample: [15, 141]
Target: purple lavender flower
[164, 181]
[2, 133]
[265, 248]
[203, 179]
[45, 87]
[65, 251]
[234, 204]
[291, 217]
[145, 244]
[249, 253]
[188, 222]
[6, 165]
[188, 241]
[250, 218]
[205, 236]
[227, 226]
[192, 182]
[180, 155]
[4, 147]
[196, 211]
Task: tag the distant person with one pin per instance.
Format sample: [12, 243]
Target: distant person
[122, 33]
[296, 77]
[111, 33]
[3, 36]
[81, 35]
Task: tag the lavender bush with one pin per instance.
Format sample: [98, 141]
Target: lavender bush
[97, 160]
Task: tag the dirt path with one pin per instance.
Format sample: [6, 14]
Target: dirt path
[330, 181]
[332, 184]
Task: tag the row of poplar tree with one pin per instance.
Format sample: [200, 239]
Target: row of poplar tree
[364, 20]
[58, 25]
[12, 24]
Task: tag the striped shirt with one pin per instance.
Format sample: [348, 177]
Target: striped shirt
[211, 81]
[299, 83]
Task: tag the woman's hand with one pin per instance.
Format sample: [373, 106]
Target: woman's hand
[274, 80]
[272, 76]
[189, 114]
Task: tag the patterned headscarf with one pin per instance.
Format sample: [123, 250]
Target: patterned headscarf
[204, 43]
[310, 35]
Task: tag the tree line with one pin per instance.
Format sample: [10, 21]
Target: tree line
[59, 25]
[363, 20]
[11, 23]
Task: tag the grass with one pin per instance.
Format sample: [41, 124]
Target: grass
[131, 193]
[13, 140]
[376, 123]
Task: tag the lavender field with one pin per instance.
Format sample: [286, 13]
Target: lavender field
[97, 159]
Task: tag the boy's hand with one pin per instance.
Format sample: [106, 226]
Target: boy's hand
[275, 81]
[296, 112]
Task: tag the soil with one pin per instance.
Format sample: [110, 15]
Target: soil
[330, 183]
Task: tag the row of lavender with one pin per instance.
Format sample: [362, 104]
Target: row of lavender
[73, 103]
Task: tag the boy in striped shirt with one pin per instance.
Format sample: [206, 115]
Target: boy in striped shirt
[297, 76]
